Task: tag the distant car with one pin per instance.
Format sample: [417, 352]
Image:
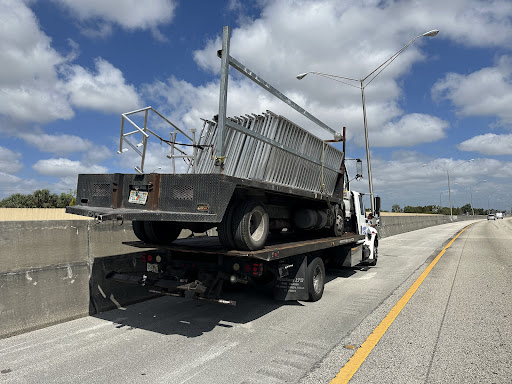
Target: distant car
[491, 216]
[499, 215]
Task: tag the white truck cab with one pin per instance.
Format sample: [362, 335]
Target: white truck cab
[356, 220]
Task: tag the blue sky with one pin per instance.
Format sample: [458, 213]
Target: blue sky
[71, 67]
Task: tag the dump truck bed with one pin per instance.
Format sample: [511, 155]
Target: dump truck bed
[196, 198]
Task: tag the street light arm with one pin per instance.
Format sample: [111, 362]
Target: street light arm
[458, 165]
[329, 76]
[385, 64]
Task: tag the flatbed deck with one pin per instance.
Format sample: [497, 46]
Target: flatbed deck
[277, 247]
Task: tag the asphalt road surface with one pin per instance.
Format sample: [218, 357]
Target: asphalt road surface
[455, 328]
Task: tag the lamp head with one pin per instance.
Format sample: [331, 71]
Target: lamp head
[302, 75]
[431, 33]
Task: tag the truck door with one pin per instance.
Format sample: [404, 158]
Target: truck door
[360, 213]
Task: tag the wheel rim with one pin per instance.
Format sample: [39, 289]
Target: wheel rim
[317, 279]
[257, 226]
[339, 222]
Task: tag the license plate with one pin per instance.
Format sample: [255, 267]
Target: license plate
[152, 267]
[138, 197]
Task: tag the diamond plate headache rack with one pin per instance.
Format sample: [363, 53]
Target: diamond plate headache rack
[143, 133]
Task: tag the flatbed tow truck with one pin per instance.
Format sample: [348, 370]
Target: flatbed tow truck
[295, 266]
[278, 196]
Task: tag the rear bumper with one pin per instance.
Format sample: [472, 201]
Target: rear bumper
[104, 214]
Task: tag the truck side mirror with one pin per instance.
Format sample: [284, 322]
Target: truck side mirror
[377, 205]
[359, 169]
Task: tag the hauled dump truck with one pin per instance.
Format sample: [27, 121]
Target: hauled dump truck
[278, 196]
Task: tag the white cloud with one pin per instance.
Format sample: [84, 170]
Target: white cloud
[10, 161]
[410, 179]
[487, 92]
[129, 14]
[349, 39]
[101, 30]
[65, 184]
[488, 144]
[410, 130]
[59, 144]
[105, 90]
[479, 23]
[64, 167]
[10, 184]
[7, 178]
[97, 154]
[25, 51]
[31, 85]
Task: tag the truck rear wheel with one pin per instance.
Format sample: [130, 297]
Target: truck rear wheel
[161, 232]
[225, 227]
[250, 225]
[315, 275]
[138, 230]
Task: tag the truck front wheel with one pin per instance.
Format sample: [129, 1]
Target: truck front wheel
[375, 255]
[250, 225]
[338, 226]
[316, 279]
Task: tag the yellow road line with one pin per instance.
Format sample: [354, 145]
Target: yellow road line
[351, 367]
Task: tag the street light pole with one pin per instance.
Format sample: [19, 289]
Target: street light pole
[449, 194]
[449, 190]
[362, 86]
[369, 165]
[471, 195]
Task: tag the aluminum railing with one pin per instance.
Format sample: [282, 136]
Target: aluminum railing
[144, 133]
[300, 160]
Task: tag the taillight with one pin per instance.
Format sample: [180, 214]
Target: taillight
[254, 269]
[257, 269]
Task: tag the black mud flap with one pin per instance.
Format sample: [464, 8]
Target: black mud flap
[291, 282]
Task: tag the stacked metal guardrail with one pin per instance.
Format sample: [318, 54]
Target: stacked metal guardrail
[250, 158]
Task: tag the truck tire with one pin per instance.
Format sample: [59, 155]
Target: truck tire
[250, 225]
[138, 230]
[315, 275]
[225, 227]
[161, 232]
[375, 256]
[338, 226]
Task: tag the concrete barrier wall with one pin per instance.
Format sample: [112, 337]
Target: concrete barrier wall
[54, 271]
[394, 225]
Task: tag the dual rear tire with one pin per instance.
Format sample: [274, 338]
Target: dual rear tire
[156, 232]
[245, 226]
